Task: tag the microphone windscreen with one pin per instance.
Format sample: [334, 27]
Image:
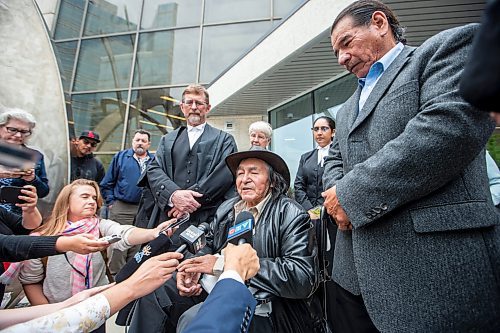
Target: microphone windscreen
[243, 216]
[157, 246]
[242, 231]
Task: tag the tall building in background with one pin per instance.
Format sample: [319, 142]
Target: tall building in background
[124, 64]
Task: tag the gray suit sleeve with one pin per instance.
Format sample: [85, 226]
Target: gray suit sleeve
[435, 146]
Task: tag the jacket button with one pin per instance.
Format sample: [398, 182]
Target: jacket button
[157, 193]
[189, 172]
[188, 181]
[162, 187]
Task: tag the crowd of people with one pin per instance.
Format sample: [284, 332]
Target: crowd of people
[412, 237]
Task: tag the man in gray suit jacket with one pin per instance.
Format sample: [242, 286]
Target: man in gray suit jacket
[418, 246]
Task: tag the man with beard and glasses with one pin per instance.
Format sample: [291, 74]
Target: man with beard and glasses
[120, 191]
[188, 175]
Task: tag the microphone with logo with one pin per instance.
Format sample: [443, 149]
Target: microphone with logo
[242, 231]
[157, 246]
[194, 238]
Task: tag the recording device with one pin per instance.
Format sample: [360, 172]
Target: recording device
[242, 231]
[193, 238]
[159, 245]
[10, 194]
[15, 156]
[111, 239]
[177, 223]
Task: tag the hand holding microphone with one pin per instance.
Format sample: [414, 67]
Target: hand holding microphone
[243, 259]
[159, 245]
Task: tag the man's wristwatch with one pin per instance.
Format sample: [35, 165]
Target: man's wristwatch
[218, 266]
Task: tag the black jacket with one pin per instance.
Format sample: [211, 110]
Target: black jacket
[286, 245]
[308, 183]
[87, 167]
[213, 178]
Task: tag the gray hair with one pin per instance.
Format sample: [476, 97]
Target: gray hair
[261, 126]
[361, 13]
[7, 114]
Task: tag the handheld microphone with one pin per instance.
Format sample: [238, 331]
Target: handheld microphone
[193, 238]
[159, 245]
[242, 231]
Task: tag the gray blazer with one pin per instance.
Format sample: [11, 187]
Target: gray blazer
[424, 251]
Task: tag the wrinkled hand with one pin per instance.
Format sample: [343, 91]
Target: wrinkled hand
[153, 273]
[204, 264]
[335, 210]
[29, 195]
[187, 284]
[242, 259]
[184, 202]
[83, 244]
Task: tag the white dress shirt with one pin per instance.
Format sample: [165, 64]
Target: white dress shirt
[322, 153]
[194, 133]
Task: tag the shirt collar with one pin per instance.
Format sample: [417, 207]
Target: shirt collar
[198, 128]
[381, 65]
[256, 210]
[325, 148]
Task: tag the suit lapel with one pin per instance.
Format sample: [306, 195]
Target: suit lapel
[205, 150]
[169, 144]
[351, 107]
[382, 85]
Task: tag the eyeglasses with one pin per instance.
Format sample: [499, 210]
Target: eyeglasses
[13, 130]
[322, 128]
[91, 143]
[199, 104]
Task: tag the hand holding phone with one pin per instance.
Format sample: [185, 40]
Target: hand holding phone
[10, 194]
[111, 239]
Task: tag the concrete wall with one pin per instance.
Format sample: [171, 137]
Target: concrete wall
[31, 81]
[240, 127]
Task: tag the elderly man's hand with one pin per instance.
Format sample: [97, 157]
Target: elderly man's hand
[187, 284]
[242, 259]
[204, 264]
[184, 201]
[335, 210]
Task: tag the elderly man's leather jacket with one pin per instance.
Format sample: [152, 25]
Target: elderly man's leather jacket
[286, 245]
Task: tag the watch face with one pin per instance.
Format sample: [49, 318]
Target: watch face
[218, 266]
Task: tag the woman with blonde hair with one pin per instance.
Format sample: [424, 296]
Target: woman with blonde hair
[75, 212]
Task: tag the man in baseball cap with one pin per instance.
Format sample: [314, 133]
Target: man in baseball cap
[83, 162]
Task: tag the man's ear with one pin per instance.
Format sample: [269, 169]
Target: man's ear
[379, 20]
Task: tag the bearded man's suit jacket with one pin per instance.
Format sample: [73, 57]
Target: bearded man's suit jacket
[410, 172]
[200, 169]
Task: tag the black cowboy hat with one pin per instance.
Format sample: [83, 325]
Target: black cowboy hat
[274, 160]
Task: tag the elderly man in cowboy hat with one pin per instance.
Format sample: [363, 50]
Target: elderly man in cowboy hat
[282, 238]
[284, 241]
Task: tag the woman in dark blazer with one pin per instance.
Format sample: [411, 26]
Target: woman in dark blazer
[308, 184]
[308, 187]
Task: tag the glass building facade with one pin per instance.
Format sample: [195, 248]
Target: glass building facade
[293, 120]
[124, 63]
